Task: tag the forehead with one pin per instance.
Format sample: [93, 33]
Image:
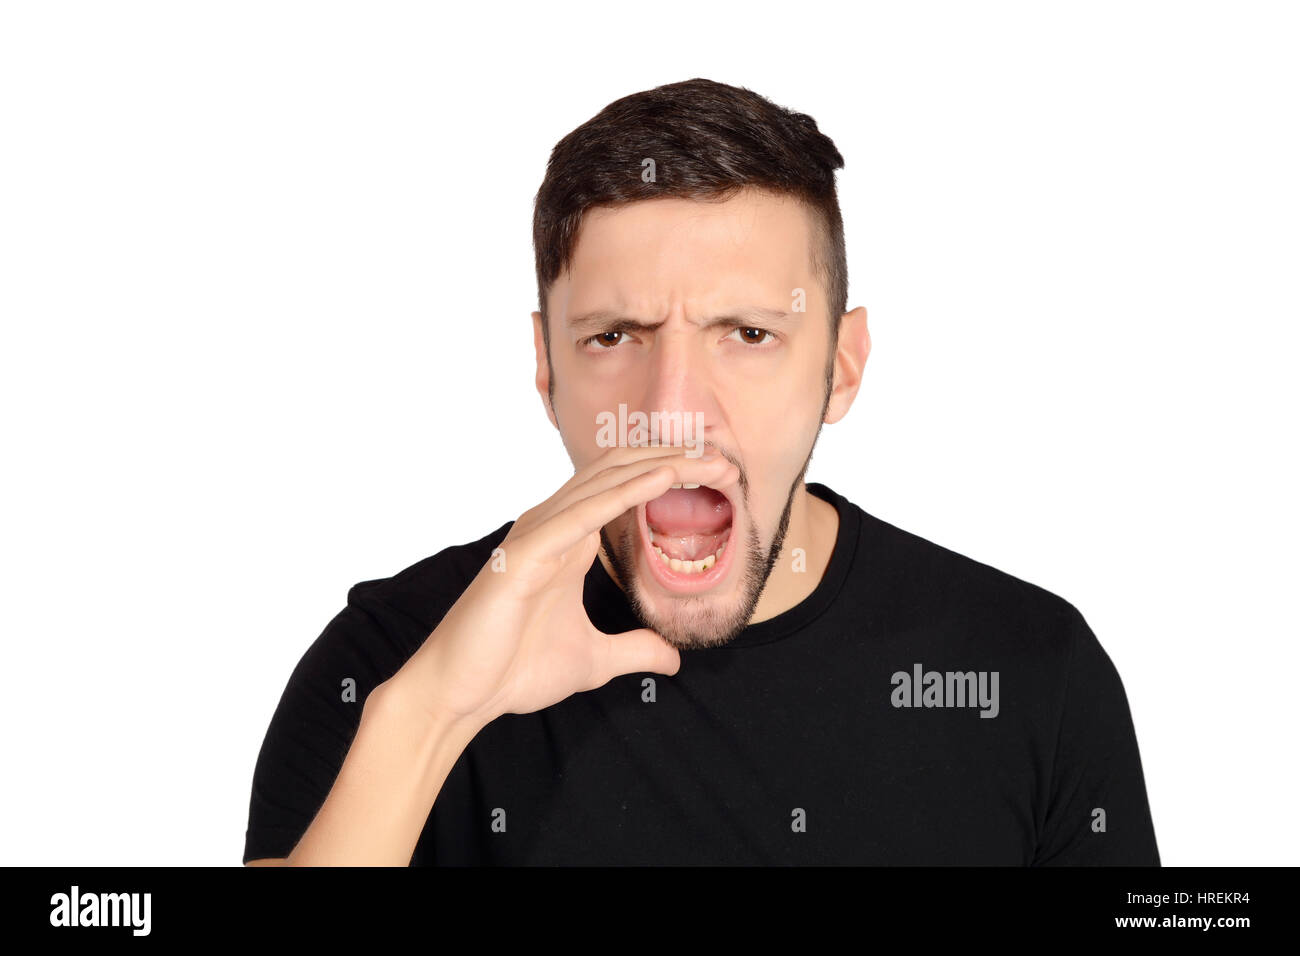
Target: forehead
[649, 256]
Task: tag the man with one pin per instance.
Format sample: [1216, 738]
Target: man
[687, 654]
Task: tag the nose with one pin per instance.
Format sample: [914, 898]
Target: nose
[679, 384]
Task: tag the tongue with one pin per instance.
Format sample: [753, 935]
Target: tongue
[684, 511]
[689, 523]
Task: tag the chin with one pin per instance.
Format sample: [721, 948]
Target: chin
[701, 606]
[694, 624]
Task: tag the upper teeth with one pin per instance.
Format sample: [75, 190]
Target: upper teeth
[687, 486]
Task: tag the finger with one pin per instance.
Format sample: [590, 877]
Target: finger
[561, 531]
[614, 457]
[688, 470]
[621, 454]
[632, 652]
[586, 516]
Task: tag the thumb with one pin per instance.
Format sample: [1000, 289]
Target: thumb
[633, 652]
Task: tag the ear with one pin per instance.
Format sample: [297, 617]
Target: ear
[850, 357]
[543, 378]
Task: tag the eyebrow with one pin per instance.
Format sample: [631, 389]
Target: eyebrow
[603, 320]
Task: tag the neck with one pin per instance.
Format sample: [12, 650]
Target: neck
[805, 554]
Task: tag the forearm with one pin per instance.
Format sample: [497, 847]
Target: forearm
[390, 778]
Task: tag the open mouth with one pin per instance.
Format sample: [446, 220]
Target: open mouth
[685, 533]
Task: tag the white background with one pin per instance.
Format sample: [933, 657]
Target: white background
[265, 277]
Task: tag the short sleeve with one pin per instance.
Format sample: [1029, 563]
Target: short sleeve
[1097, 812]
[313, 726]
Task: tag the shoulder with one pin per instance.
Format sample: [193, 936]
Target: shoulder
[930, 603]
[423, 592]
[916, 584]
[386, 619]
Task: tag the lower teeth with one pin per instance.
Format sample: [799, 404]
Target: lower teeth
[687, 566]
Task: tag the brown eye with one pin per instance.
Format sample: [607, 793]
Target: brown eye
[607, 339]
[753, 336]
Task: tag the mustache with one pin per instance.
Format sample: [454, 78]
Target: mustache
[743, 481]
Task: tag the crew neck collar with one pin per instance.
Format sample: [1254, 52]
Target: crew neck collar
[605, 593]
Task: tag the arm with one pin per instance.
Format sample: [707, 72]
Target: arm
[517, 640]
[1098, 814]
[389, 780]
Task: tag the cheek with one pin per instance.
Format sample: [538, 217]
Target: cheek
[773, 453]
[578, 412]
[776, 418]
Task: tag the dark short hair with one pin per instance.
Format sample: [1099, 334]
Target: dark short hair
[708, 140]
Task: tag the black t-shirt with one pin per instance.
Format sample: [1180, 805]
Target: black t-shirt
[918, 707]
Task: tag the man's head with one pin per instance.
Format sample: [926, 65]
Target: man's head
[690, 259]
